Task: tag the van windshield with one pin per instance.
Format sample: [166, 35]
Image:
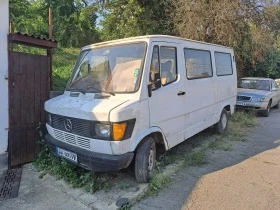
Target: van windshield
[112, 69]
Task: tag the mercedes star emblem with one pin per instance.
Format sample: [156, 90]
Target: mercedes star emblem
[68, 125]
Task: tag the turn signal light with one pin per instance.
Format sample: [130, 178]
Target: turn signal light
[119, 131]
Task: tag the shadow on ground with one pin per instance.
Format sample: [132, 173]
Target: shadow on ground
[264, 137]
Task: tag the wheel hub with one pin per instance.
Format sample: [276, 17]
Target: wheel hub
[151, 159]
[224, 121]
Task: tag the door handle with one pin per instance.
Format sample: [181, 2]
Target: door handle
[181, 93]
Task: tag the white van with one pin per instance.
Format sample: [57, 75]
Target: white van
[127, 96]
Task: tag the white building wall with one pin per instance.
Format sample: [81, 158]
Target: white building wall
[4, 30]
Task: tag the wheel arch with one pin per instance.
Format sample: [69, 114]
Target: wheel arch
[155, 132]
[228, 107]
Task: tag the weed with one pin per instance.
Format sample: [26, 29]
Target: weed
[214, 144]
[156, 183]
[124, 186]
[197, 158]
[239, 125]
[73, 175]
[126, 206]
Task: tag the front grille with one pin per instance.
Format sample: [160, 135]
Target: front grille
[79, 126]
[72, 139]
[243, 98]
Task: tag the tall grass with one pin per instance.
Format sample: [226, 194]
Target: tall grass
[63, 62]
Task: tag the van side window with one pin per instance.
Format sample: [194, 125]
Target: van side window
[223, 64]
[168, 65]
[198, 63]
[154, 69]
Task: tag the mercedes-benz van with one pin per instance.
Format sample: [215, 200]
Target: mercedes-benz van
[126, 96]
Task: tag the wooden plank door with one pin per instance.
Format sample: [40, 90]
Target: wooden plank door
[29, 88]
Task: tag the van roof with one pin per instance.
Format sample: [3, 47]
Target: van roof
[141, 38]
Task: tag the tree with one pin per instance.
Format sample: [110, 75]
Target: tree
[126, 18]
[248, 26]
[73, 20]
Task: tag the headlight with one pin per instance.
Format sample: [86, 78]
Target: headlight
[102, 130]
[258, 99]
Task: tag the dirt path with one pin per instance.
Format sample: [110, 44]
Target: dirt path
[194, 187]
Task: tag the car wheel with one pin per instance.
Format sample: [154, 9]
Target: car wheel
[267, 111]
[277, 106]
[222, 125]
[145, 160]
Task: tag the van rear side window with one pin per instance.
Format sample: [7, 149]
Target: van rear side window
[223, 64]
[198, 63]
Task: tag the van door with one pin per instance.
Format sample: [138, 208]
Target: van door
[200, 91]
[167, 102]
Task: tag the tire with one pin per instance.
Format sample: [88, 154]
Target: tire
[267, 111]
[145, 160]
[222, 125]
[277, 106]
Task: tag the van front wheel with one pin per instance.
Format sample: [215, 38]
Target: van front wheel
[145, 160]
[222, 125]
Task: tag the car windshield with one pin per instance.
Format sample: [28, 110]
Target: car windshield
[112, 69]
[254, 84]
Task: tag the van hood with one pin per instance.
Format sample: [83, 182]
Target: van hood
[83, 107]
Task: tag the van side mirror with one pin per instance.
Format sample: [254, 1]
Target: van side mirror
[150, 90]
[153, 86]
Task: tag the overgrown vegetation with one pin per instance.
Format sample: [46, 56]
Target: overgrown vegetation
[186, 154]
[71, 174]
[63, 62]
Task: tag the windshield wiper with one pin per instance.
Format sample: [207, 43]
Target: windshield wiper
[77, 90]
[101, 91]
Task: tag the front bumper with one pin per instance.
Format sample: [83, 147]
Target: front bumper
[258, 106]
[91, 160]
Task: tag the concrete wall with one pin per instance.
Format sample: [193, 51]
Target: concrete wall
[4, 30]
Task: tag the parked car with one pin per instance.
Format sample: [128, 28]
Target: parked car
[277, 82]
[257, 94]
[127, 96]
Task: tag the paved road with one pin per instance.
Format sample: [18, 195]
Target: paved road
[248, 177]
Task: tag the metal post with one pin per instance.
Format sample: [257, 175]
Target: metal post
[11, 27]
[50, 23]
[49, 51]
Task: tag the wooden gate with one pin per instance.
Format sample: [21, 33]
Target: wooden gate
[29, 87]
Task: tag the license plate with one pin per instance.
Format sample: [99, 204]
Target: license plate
[241, 103]
[66, 154]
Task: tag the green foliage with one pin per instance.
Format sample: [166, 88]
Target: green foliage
[73, 175]
[197, 157]
[28, 49]
[63, 62]
[126, 206]
[252, 33]
[73, 20]
[126, 18]
[240, 123]
[156, 183]
[242, 119]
